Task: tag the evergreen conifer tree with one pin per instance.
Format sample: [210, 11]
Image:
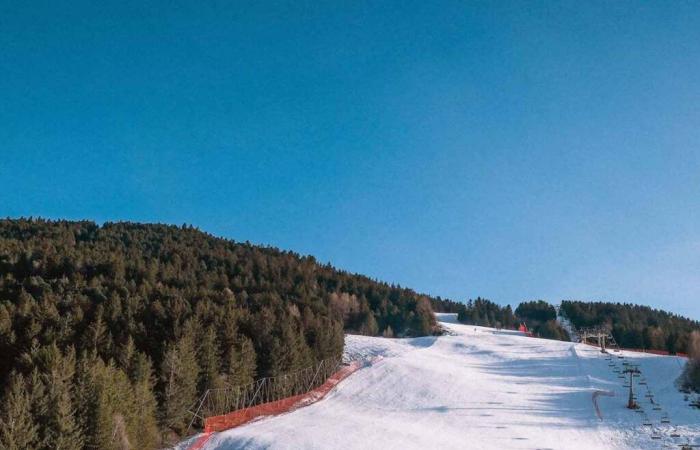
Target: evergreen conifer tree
[243, 364]
[145, 405]
[179, 376]
[126, 354]
[369, 324]
[65, 433]
[209, 360]
[18, 428]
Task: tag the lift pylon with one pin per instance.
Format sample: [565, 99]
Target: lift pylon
[631, 370]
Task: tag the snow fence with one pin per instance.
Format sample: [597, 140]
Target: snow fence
[242, 416]
[266, 397]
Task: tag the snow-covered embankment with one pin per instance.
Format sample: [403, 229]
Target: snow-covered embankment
[479, 389]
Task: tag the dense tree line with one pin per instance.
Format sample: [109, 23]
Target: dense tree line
[689, 380]
[443, 305]
[539, 316]
[483, 312]
[541, 319]
[109, 333]
[634, 326]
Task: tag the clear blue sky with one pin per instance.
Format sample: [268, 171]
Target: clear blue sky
[513, 151]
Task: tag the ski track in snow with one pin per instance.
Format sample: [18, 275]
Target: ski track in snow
[479, 388]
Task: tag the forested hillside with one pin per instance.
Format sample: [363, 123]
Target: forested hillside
[539, 316]
[443, 305]
[486, 313]
[109, 333]
[541, 319]
[634, 326]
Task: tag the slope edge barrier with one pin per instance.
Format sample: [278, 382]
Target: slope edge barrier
[242, 416]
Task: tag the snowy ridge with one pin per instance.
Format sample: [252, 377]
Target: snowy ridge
[482, 389]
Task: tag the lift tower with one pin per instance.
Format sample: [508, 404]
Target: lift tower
[632, 370]
[600, 334]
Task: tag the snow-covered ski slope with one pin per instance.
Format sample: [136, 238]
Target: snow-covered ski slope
[480, 388]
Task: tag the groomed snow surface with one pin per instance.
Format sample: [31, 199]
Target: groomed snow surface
[480, 388]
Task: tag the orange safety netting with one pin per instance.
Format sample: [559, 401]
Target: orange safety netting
[241, 416]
